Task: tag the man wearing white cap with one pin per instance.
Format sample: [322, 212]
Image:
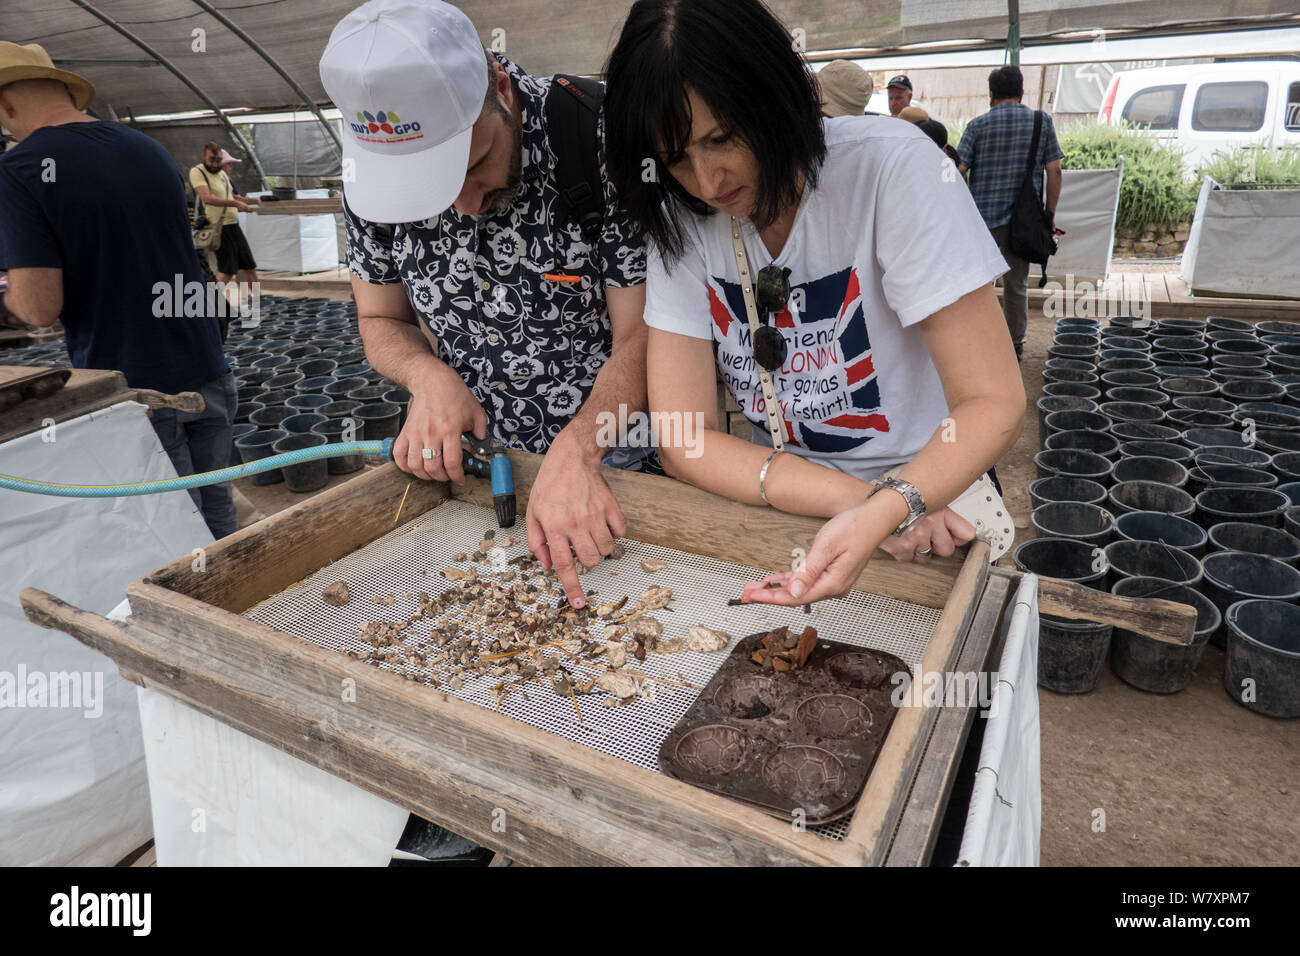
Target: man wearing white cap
[475, 290]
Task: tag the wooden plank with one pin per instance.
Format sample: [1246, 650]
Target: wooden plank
[301, 207]
[85, 391]
[446, 759]
[885, 794]
[1156, 618]
[250, 565]
[918, 829]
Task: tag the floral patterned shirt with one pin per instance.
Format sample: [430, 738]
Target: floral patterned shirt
[528, 347]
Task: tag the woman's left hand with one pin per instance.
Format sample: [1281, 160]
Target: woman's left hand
[940, 534]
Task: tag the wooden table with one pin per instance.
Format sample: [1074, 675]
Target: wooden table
[456, 763]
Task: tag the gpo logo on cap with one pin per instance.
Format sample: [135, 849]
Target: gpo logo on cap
[383, 126]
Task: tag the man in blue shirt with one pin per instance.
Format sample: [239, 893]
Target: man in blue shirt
[94, 232]
[993, 150]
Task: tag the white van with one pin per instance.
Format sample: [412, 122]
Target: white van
[1207, 107]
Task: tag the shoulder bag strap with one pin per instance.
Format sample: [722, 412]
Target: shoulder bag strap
[746, 286]
[1033, 147]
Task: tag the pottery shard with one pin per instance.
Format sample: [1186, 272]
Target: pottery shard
[655, 598]
[337, 594]
[616, 653]
[645, 628]
[612, 631]
[706, 639]
[456, 574]
[673, 646]
[617, 685]
[652, 564]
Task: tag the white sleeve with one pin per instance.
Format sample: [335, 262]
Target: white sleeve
[677, 297]
[931, 242]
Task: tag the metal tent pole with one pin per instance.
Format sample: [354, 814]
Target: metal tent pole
[271, 62]
[175, 71]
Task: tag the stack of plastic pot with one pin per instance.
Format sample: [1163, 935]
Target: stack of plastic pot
[1170, 467]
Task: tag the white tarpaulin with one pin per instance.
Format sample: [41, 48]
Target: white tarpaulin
[1005, 815]
[293, 243]
[72, 776]
[1243, 242]
[1086, 211]
[223, 798]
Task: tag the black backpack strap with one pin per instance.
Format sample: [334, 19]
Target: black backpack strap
[1033, 146]
[571, 122]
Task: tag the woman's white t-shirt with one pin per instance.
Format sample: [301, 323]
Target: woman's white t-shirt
[889, 236]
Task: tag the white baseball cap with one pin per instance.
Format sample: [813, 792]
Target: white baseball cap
[409, 77]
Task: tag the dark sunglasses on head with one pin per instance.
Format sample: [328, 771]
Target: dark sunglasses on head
[770, 348]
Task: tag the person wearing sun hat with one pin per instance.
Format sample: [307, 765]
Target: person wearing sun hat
[92, 221]
[845, 87]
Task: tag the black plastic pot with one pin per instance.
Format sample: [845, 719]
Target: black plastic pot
[1179, 343]
[1221, 323]
[1255, 505]
[270, 416]
[1262, 668]
[1074, 463]
[1069, 421]
[1232, 576]
[367, 394]
[1273, 421]
[1072, 352]
[399, 397]
[1139, 396]
[1203, 477]
[1068, 375]
[339, 409]
[1178, 386]
[1292, 490]
[340, 387]
[1150, 469]
[1230, 455]
[299, 352]
[271, 361]
[1195, 418]
[1277, 441]
[1172, 530]
[1170, 451]
[1071, 390]
[1072, 519]
[1144, 431]
[1256, 539]
[1109, 365]
[1149, 496]
[1201, 437]
[1206, 403]
[1195, 361]
[276, 396]
[1063, 488]
[1159, 667]
[1076, 340]
[1112, 381]
[1251, 391]
[1132, 412]
[1099, 443]
[337, 431]
[237, 432]
[1151, 559]
[307, 403]
[1070, 364]
[305, 475]
[379, 420]
[258, 445]
[1291, 519]
[302, 422]
[1239, 347]
[283, 380]
[1181, 327]
[317, 367]
[1070, 653]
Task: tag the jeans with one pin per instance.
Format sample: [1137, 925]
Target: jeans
[199, 443]
[1015, 288]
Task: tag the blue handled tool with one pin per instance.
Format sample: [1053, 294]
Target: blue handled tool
[487, 459]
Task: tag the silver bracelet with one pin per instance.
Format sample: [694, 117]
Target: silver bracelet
[762, 477]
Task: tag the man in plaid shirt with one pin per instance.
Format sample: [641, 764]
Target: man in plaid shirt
[993, 152]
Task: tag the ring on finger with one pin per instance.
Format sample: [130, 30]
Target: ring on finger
[924, 550]
[430, 453]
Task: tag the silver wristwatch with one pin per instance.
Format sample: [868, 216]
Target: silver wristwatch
[915, 503]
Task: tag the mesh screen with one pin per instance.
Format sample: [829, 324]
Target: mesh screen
[410, 559]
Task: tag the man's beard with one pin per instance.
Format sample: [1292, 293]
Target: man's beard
[501, 199]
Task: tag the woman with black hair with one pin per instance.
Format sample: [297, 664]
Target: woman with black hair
[836, 272]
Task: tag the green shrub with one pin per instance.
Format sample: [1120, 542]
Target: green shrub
[1153, 193]
[1269, 167]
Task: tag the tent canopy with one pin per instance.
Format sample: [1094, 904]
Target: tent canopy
[542, 36]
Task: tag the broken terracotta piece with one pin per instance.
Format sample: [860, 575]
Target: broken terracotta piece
[706, 639]
[337, 594]
[652, 564]
[783, 651]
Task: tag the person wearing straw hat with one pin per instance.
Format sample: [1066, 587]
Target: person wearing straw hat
[845, 88]
[92, 224]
